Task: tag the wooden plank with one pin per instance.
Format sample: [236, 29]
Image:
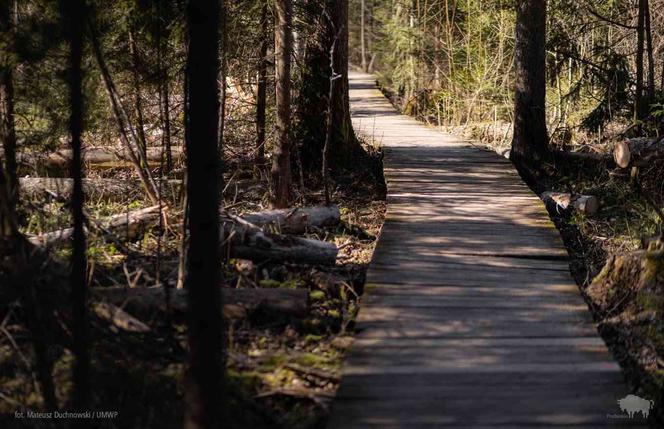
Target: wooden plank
[476, 264]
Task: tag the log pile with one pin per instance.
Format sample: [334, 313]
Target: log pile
[240, 238]
[244, 240]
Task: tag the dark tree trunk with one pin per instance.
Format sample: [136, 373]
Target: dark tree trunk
[530, 145]
[222, 77]
[8, 183]
[7, 129]
[283, 48]
[138, 104]
[205, 375]
[261, 95]
[165, 105]
[362, 37]
[74, 17]
[330, 24]
[651, 59]
[640, 33]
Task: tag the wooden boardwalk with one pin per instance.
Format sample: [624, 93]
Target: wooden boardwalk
[470, 316]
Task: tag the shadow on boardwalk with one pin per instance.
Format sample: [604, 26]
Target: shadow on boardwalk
[470, 316]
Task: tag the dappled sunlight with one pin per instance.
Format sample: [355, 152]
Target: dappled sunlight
[470, 315]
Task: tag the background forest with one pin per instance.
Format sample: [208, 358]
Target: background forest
[450, 62]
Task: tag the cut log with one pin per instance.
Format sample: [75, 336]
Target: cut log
[246, 241]
[297, 220]
[622, 154]
[587, 204]
[290, 302]
[94, 156]
[132, 222]
[94, 189]
[637, 152]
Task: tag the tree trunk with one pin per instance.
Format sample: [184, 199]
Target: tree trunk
[651, 59]
[331, 23]
[127, 131]
[283, 47]
[138, 105]
[204, 385]
[164, 102]
[223, 74]
[74, 17]
[8, 183]
[640, 33]
[362, 37]
[261, 94]
[8, 180]
[530, 141]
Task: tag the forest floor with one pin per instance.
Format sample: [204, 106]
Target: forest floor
[282, 370]
[627, 221]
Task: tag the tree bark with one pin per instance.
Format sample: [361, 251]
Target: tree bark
[330, 23]
[283, 47]
[530, 141]
[204, 385]
[261, 94]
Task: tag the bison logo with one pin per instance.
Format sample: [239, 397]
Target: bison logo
[632, 404]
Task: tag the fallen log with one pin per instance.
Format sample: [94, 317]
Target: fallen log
[637, 152]
[590, 158]
[119, 318]
[297, 220]
[93, 156]
[245, 240]
[237, 302]
[94, 189]
[133, 222]
[588, 204]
